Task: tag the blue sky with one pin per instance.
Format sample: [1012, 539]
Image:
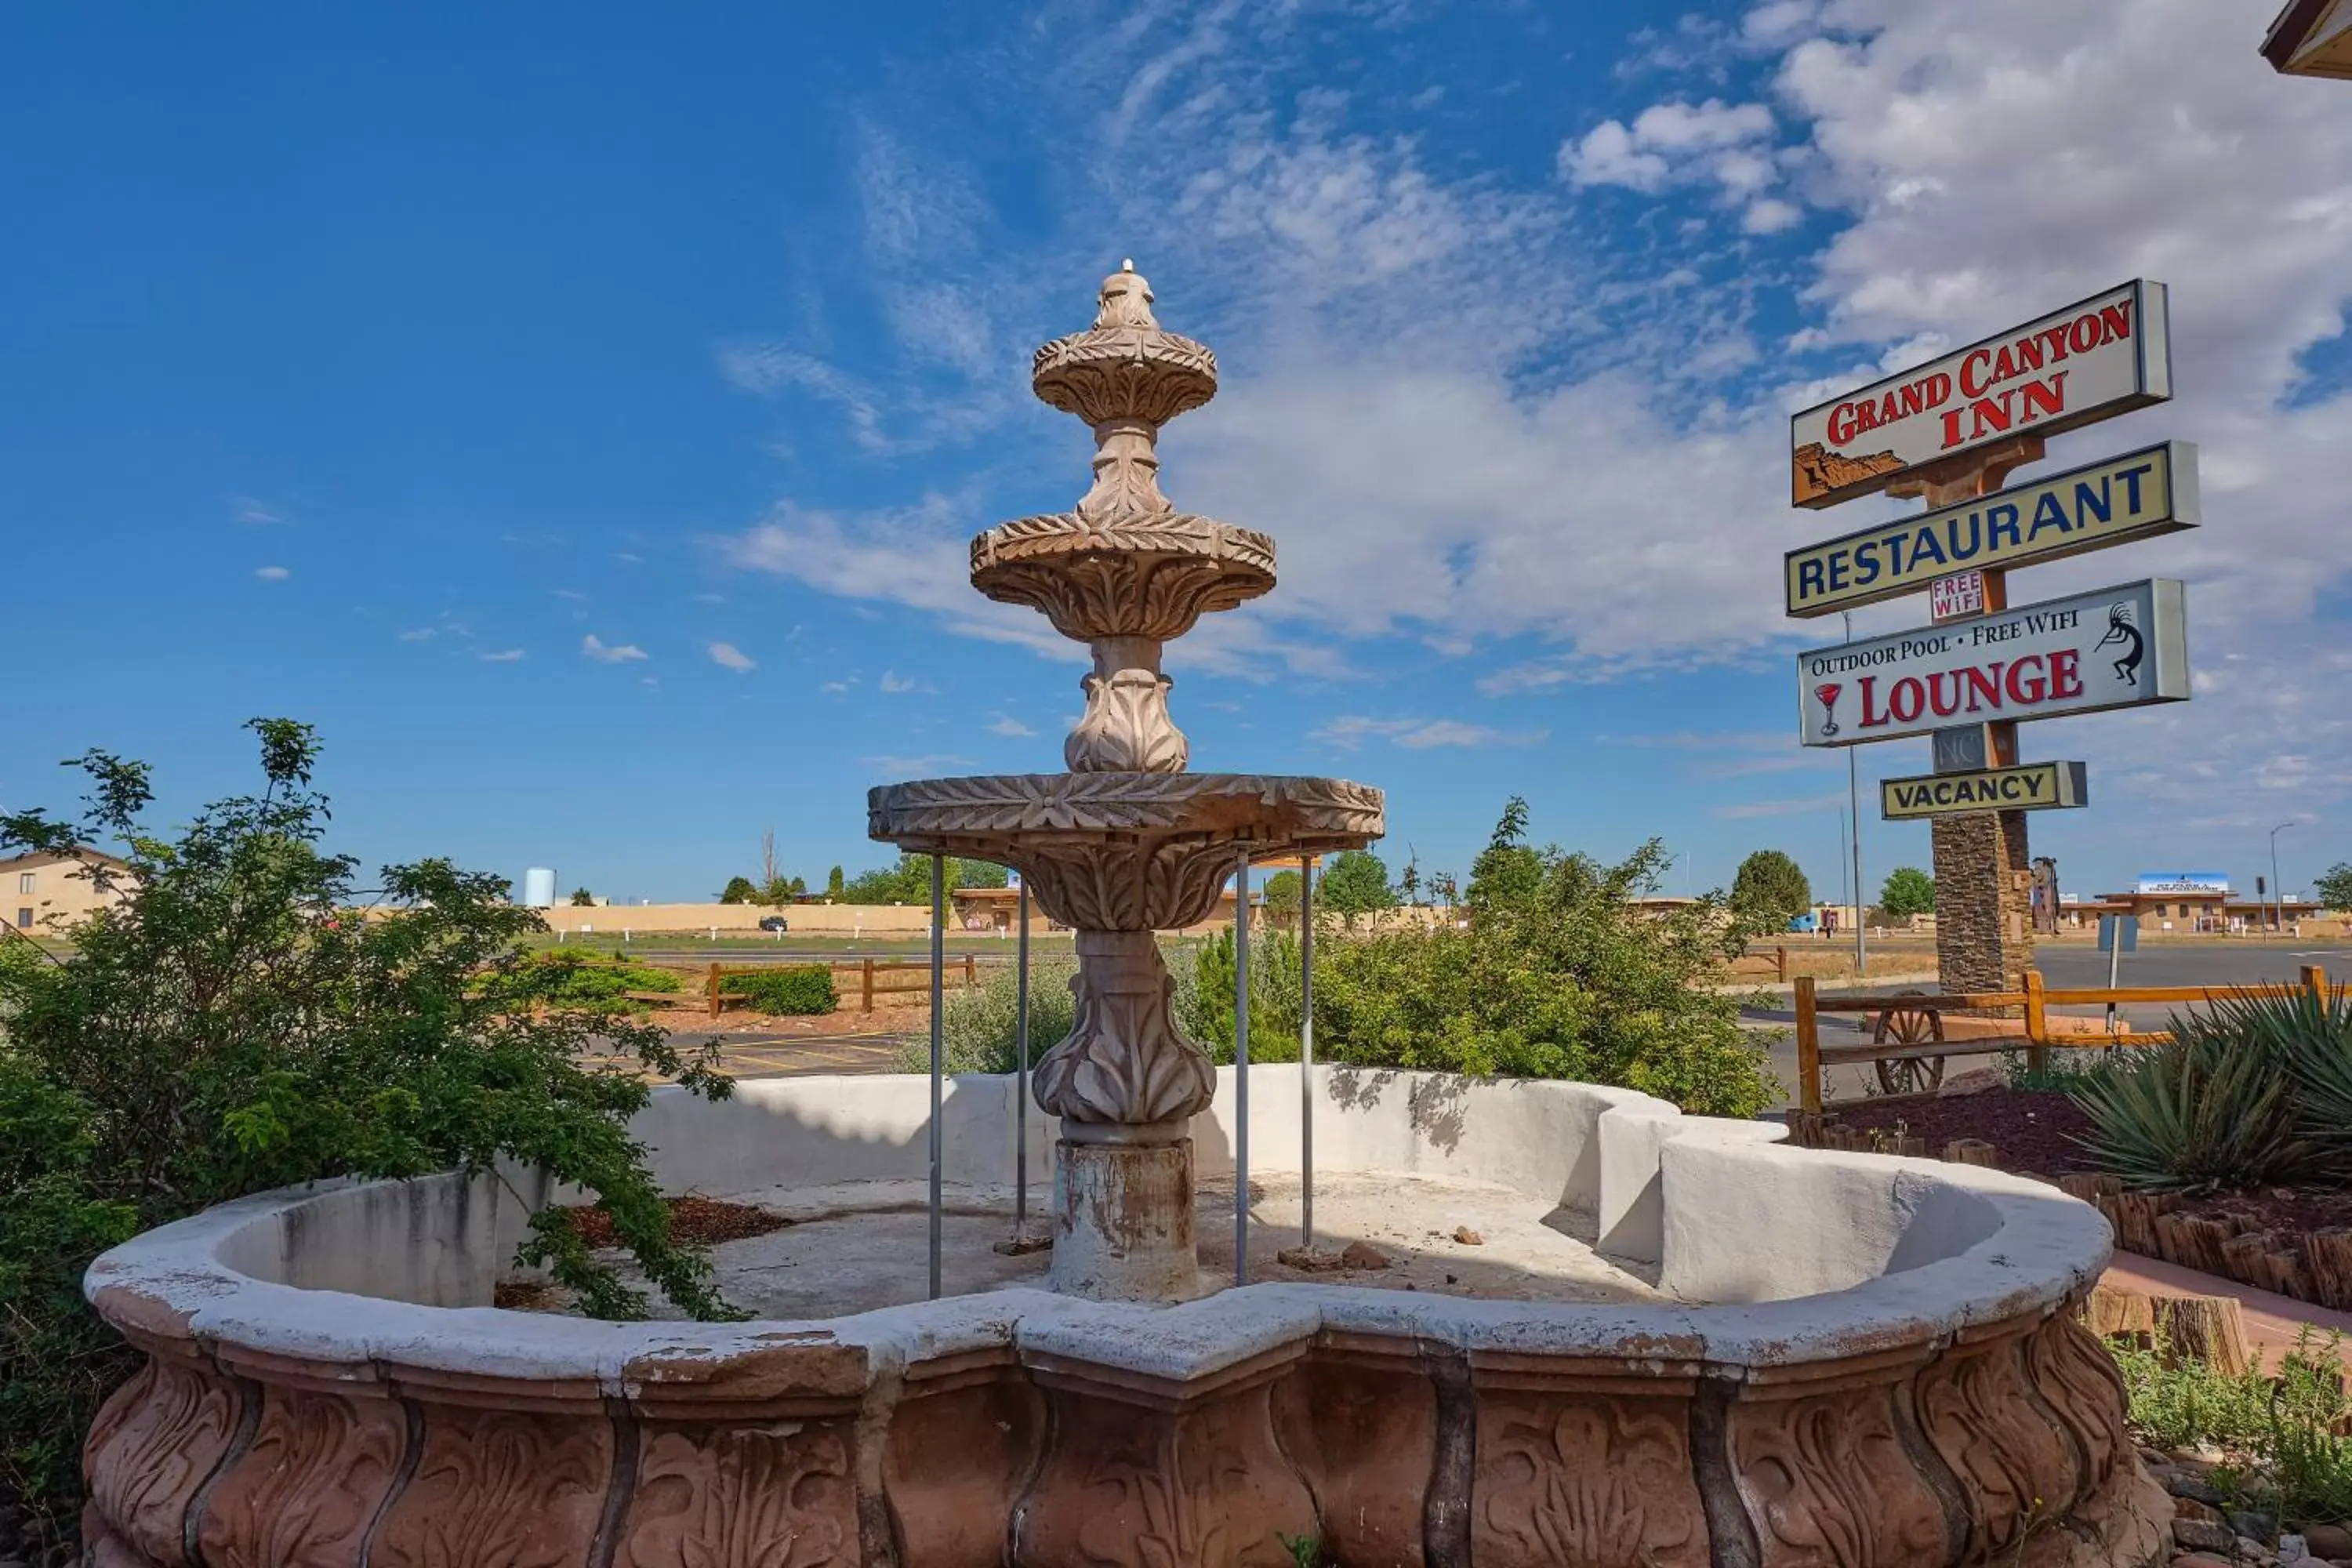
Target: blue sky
[579, 416]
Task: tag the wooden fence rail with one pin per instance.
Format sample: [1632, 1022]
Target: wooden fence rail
[866, 970]
[2034, 1038]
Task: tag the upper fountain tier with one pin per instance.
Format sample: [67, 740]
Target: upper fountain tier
[1123, 563]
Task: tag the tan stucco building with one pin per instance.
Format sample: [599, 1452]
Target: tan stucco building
[46, 891]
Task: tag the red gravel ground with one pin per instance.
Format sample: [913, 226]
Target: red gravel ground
[2034, 1132]
[699, 1222]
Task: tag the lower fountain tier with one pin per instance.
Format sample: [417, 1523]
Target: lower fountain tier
[1126, 852]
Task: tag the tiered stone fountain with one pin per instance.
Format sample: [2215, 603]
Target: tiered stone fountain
[1126, 843]
[1679, 1344]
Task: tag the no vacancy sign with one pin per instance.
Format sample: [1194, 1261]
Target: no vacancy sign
[2119, 647]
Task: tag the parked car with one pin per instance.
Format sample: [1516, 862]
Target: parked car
[775, 922]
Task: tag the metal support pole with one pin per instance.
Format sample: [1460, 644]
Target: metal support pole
[938, 1056]
[1021, 1089]
[1854, 817]
[1306, 1050]
[1241, 1072]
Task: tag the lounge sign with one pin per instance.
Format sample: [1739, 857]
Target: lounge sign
[2114, 501]
[2091, 360]
[2119, 647]
[2033, 786]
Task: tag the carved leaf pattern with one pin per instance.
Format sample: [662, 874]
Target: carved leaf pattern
[2013, 1462]
[772, 1497]
[1097, 586]
[152, 1448]
[1184, 1493]
[1125, 1059]
[522, 1491]
[1320, 813]
[1829, 1485]
[1126, 729]
[2081, 1381]
[1584, 1480]
[1123, 373]
[302, 1495]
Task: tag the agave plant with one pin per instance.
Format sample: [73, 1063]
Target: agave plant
[2216, 1109]
[2307, 1034]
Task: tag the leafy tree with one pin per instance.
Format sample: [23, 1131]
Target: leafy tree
[234, 1024]
[1770, 891]
[1507, 872]
[738, 890]
[972, 874]
[582, 898]
[2333, 888]
[1354, 883]
[1279, 897]
[1908, 891]
[832, 885]
[909, 881]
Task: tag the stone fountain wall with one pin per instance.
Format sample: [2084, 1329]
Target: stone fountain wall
[1931, 1400]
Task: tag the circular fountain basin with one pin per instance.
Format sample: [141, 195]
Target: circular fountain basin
[1689, 1345]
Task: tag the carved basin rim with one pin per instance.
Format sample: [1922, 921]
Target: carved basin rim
[1304, 815]
[172, 1285]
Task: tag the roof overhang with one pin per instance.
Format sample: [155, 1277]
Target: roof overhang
[2312, 37]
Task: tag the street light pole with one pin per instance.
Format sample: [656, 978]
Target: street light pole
[2278, 892]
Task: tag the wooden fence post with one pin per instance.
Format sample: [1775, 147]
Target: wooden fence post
[1780, 958]
[2037, 1024]
[971, 972]
[711, 986]
[2314, 980]
[866, 984]
[1809, 1048]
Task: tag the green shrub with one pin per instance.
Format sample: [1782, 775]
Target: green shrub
[570, 977]
[1205, 995]
[2252, 1090]
[2289, 1423]
[1555, 976]
[979, 1026]
[791, 988]
[231, 1026]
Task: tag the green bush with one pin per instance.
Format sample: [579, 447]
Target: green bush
[2290, 1425]
[980, 1028]
[232, 1025]
[1555, 976]
[570, 977]
[791, 988]
[2253, 1091]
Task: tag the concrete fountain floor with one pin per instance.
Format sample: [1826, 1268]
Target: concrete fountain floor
[860, 1246]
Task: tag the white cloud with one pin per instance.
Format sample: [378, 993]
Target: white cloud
[628, 558]
[926, 766]
[1770, 215]
[596, 648]
[1797, 807]
[420, 634]
[572, 594]
[1419, 734]
[246, 509]
[272, 574]
[726, 656]
[503, 656]
[1005, 724]
[893, 683]
[1667, 142]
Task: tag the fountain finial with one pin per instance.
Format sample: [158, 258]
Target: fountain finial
[1126, 302]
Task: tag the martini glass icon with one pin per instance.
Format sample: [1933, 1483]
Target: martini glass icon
[1827, 691]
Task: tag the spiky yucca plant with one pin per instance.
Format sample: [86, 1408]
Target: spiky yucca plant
[2214, 1109]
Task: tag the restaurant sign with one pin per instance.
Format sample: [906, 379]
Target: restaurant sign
[2089, 361]
[2116, 501]
[2031, 786]
[2118, 648]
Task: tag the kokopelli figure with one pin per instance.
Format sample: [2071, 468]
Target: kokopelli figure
[2121, 631]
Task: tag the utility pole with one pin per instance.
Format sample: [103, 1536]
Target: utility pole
[2278, 889]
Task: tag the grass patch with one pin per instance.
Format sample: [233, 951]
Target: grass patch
[2285, 1430]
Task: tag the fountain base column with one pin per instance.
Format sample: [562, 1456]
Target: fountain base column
[1123, 1220]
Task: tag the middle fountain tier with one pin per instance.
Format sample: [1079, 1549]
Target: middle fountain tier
[1126, 844]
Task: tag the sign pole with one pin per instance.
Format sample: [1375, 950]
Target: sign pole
[939, 1057]
[1853, 815]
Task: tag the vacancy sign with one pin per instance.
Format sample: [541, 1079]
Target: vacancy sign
[2089, 361]
[2033, 786]
[2119, 647]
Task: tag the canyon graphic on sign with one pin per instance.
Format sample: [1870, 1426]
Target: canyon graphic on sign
[2119, 647]
[2136, 495]
[2088, 361]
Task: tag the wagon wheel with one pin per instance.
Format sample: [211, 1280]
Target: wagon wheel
[1909, 1026]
